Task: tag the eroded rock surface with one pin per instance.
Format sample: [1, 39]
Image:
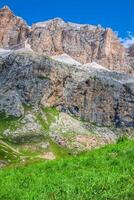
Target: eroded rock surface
[10, 104]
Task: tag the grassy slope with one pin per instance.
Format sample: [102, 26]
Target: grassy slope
[45, 118]
[103, 174]
[8, 122]
[50, 115]
[8, 153]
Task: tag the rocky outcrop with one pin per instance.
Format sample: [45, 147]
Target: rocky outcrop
[17, 73]
[92, 93]
[79, 135]
[13, 30]
[28, 129]
[10, 104]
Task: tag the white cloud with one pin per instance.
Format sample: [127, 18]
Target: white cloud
[128, 41]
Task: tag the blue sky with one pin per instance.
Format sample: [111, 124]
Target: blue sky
[117, 14]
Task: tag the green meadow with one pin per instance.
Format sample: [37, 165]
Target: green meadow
[102, 174]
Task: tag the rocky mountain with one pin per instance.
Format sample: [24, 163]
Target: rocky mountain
[82, 70]
[84, 43]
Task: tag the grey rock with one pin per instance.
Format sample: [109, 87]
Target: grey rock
[10, 104]
[97, 95]
[27, 131]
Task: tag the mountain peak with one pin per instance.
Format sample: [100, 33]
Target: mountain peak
[6, 9]
[13, 29]
[56, 20]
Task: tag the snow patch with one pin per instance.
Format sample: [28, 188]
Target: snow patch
[48, 22]
[94, 65]
[28, 46]
[64, 58]
[4, 52]
[75, 25]
[79, 26]
[62, 23]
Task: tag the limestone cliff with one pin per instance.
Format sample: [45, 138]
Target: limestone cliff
[84, 43]
[13, 30]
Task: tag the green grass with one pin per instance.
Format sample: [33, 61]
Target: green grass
[34, 149]
[8, 153]
[47, 116]
[27, 107]
[60, 152]
[102, 174]
[8, 123]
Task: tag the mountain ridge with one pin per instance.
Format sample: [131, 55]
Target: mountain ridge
[84, 43]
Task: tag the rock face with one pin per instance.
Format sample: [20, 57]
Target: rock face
[85, 43]
[131, 51]
[93, 93]
[13, 30]
[99, 96]
[17, 73]
[10, 104]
